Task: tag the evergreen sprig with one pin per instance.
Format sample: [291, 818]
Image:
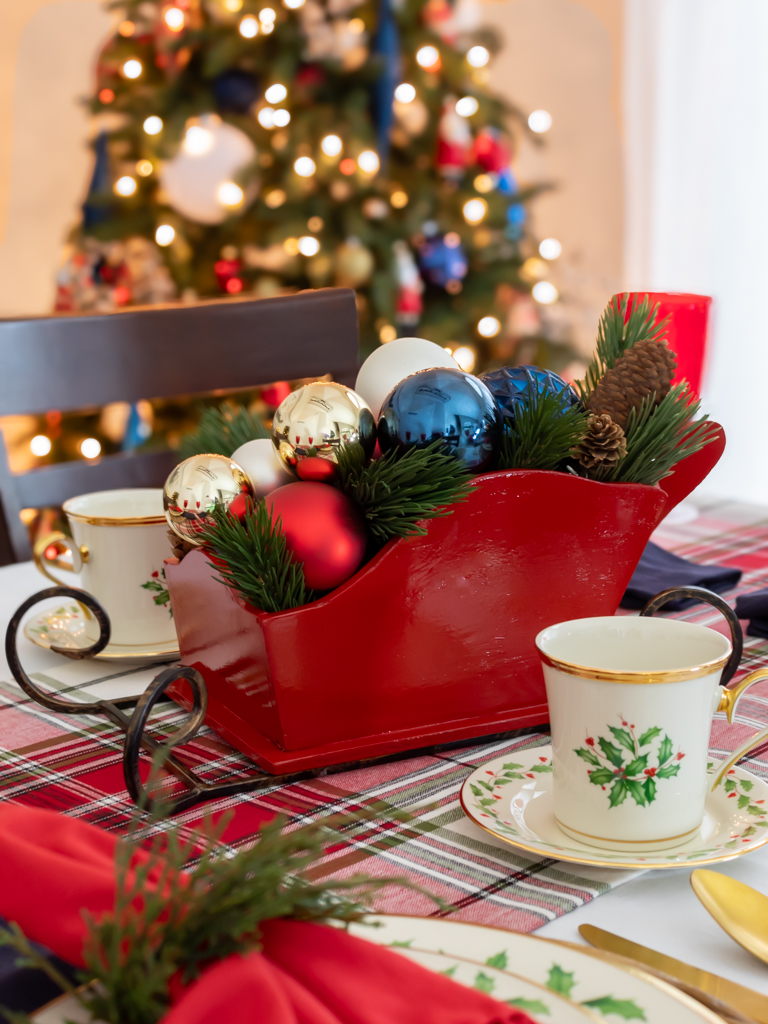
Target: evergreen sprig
[659, 436]
[398, 490]
[617, 333]
[221, 431]
[252, 557]
[544, 430]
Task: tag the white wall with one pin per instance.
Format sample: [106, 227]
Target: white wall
[696, 118]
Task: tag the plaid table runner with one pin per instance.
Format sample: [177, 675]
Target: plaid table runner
[74, 765]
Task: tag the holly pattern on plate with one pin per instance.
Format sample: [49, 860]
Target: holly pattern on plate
[158, 584]
[485, 789]
[629, 775]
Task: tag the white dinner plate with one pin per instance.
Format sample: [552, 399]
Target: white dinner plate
[511, 797]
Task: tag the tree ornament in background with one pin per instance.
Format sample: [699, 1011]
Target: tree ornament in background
[454, 141]
[491, 152]
[443, 259]
[211, 156]
[442, 404]
[646, 368]
[387, 366]
[262, 465]
[235, 91]
[603, 445]
[353, 263]
[323, 529]
[198, 485]
[317, 419]
[409, 303]
[412, 117]
[511, 385]
[386, 46]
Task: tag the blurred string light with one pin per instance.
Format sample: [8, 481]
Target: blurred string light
[387, 333]
[106, 96]
[125, 186]
[126, 28]
[249, 27]
[545, 293]
[153, 125]
[478, 56]
[474, 210]
[233, 6]
[132, 68]
[315, 223]
[550, 249]
[275, 93]
[197, 140]
[267, 17]
[229, 194]
[308, 246]
[405, 93]
[281, 118]
[488, 327]
[90, 448]
[331, 145]
[467, 106]
[291, 246]
[275, 198]
[465, 357]
[540, 121]
[399, 199]
[40, 445]
[428, 57]
[305, 166]
[266, 117]
[165, 234]
[368, 161]
[347, 166]
[293, 5]
[144, 168]
[174, 19]
[484, 183]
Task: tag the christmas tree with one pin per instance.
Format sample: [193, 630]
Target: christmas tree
[256, 146]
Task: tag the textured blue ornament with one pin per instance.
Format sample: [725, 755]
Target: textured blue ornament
[386, 45]
[442, 403]
[511, 385]
[441, 263]
[235, 91]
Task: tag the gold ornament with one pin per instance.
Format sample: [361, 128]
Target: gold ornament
[354, 263]
[319, 418]
[195, 487]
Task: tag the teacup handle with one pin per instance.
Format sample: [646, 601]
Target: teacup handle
[708, 597]
[79, 555]
[728, 701]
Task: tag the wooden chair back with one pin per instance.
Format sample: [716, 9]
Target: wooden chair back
[75, 361]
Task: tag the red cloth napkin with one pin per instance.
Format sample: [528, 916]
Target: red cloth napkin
[53, 867]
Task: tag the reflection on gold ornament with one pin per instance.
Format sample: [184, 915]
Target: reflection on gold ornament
[198, 485]
[354, 263]
[319, 418]
[319, 270]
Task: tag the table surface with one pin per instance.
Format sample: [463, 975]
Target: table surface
[75, 768]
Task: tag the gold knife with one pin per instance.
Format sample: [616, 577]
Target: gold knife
[752, 1003]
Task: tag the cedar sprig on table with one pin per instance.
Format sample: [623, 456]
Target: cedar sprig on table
[397, 491]
[617, 333]
[659, 436]
[221, 431]
[544, 430]
[252, 557]
[176, 918]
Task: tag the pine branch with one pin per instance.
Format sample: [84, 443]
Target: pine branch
[661, 436]
[221, 432]
[544, 430]
[617, 333]
[398, 490]
[252, 558]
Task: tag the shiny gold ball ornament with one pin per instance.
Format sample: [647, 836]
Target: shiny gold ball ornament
[318, 419]
[196, 486]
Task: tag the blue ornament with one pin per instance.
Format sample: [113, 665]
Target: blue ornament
[512, 385]
[507, 183]
[516, 213]
[96, 208]
[441, 263]
[386, 45]
[442, 403]
[235, 91]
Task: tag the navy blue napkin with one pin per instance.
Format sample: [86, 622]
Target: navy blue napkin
[26, 989]
[658, 570]
[754, 607]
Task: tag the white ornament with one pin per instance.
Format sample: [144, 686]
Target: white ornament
[262, 466]
[213, 155]
[388, 365]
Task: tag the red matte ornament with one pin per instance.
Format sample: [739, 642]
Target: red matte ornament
[319, 470]
[324, 530]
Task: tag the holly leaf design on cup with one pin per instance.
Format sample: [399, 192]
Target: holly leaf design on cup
[636, 775]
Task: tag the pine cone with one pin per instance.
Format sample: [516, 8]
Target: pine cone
[646, 367]
[602, 445]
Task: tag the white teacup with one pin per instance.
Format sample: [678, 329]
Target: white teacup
[630, 704]
[119, 540]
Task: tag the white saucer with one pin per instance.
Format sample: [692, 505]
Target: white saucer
[511, 797]
[64, 626]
